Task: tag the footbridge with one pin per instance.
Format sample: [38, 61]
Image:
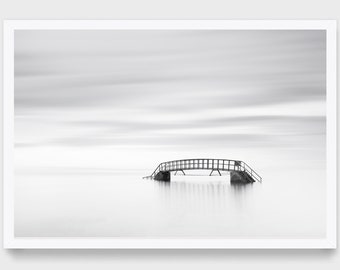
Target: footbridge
[240, 172]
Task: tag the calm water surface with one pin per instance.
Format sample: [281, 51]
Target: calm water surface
[106, 204]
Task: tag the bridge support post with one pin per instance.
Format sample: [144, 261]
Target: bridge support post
[163, 176]
[240, 178]
[215, 170]
[180, 171]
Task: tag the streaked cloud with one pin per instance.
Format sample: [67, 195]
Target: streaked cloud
[206, 68]
[223, 89]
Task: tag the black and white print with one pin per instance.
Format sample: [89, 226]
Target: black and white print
[97, 110]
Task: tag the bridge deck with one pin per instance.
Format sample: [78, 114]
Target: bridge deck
[206, 164]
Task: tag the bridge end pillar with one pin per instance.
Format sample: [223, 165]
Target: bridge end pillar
[163, 176]
[240, 178]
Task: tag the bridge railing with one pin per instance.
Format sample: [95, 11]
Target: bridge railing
[251, 172]
[206, 164]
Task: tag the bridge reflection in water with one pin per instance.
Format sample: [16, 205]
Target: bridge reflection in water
[184, 192]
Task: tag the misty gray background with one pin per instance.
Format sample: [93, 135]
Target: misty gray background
[120, 102]
[142, 97]
[95, 111]
[168, 259]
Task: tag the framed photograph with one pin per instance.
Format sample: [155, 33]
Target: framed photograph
[169, 134]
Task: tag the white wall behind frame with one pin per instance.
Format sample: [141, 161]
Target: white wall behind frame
[176, 9]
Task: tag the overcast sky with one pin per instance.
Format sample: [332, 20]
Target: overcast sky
[104, 97]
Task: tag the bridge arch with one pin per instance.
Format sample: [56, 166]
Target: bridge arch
[239, 170]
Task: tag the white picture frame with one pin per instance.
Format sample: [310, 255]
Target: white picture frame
[12, 242]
